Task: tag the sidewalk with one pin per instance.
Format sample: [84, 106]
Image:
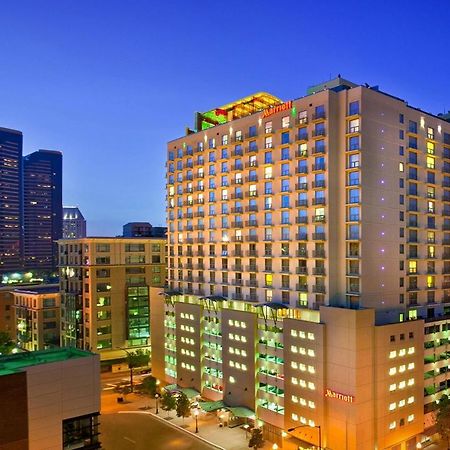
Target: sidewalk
[208, 426]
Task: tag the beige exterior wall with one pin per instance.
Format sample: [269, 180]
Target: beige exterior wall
[347, 230]
[37, 319]
[95, 277]
[59, 391]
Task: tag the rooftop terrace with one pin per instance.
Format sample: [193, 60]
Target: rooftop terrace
[18, 362]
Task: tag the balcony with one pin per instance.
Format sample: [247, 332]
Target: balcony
[237, 167]
[251, 149]
[251, 268]
[251, 283]
[299, 203]
[318, 184]
[301, 236]
[319, 236]
[238, 268]
[301, 253]
[301, 287]
[302, 136]
[251, 298]
[251, 208]
[302, 219]
[301, 153]
[302, 169]
[251, 179]
[319, 116]
[285, 270]
[319, 201]
[319, 289]
[318, 167]
[301, 186]
[319, 218]
[237, 296]
[319, 271]
[319, 133]
[237, 210]
[236, 196]
[251, 164]
[237, 282]
[252, 253]
[302, 270]
[318, 253]
[237, 224]
[237, 253]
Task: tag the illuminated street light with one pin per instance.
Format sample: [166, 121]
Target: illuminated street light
[157, 398]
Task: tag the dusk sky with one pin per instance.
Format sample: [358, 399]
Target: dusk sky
[110, 82]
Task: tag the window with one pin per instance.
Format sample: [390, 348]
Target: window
[353, 108]
[285, 137]
[285, 122]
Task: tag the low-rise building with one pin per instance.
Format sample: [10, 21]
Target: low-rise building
[37, 317]
[50, 400]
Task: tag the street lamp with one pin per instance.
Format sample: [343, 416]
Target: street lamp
[274, 447]
[312, 426]
[156, 398]
[196, 419]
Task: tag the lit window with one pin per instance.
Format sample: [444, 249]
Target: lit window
[410, 400]
[401, 167]
[402, 385]
[392, 354]
[294, 333]
[294, 349]
[392, 371]
[401, 403]
[411, 382]
[294, 380]
[294, 365]
[311, 353]
[410, 366]
[294, 416]
[311, 423]
[410, 417]
[311, 369]
[302, 402]
[393, 387]
[392, 425]
[311, 385]
[392, 406]
[302, 334]
[311, 404]
[294, 399]
[311, 336]
[231, 379]
[402, 368]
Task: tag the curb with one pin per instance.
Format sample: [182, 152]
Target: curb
[176, 427]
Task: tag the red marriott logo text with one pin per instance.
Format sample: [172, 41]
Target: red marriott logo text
[344, 397]
[276, 109]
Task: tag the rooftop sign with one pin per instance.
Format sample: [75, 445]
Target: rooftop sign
[276, 109]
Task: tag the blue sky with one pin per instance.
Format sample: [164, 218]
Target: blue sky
[110, 82]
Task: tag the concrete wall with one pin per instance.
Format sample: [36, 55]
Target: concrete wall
[58, 391]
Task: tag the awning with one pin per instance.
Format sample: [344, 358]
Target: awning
[241, 411]
[211, 406]
[189, 392]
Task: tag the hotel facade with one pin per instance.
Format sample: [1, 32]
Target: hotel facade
[309, 265]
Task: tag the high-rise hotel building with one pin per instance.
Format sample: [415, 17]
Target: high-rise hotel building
[309, 265]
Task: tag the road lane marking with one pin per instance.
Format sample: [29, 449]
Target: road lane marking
[129, 440]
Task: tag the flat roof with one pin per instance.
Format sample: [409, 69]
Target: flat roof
[46, 289]
[10, 364]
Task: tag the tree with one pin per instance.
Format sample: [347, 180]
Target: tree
[168, 402]
[183, 406]
[442, 417]
[6, 343]
[256, 439]
[135, 359]
[149, 386]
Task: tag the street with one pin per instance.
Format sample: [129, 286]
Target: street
[134, 431]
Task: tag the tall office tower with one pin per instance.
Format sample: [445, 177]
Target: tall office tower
[309, 270]
[74, 223]
[104, 284]
[43, 218]
[10, 200]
